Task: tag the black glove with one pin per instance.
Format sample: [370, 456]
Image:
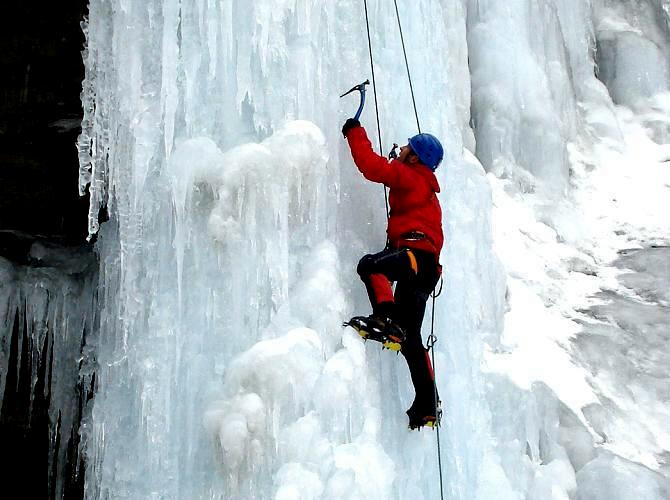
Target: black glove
[348, 125]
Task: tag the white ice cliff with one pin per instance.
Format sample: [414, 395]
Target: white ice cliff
[212, 136]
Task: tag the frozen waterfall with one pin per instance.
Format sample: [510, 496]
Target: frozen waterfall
[211, 135]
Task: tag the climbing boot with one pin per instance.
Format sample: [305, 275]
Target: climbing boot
[379, 329]
[424, 416]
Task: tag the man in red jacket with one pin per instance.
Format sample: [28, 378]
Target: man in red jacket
[411, 257]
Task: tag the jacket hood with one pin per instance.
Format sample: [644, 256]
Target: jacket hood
[428, 174]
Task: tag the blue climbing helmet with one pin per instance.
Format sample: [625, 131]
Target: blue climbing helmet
[428, 149]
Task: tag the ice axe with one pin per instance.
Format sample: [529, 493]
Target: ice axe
[361, 88]
[393, 154]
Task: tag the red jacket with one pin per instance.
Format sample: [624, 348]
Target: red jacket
[412, 195]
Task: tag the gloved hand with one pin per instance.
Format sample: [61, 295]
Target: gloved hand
[348, 125]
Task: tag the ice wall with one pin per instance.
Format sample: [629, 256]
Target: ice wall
[523, 94]
[633, 48]
[47, 311]
[228, 264]
[633, 58]
[211, 135]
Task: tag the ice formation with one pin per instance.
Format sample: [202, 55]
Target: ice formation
[47, 314]
[211, 135]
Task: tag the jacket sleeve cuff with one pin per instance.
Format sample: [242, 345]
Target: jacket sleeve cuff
[356, 133]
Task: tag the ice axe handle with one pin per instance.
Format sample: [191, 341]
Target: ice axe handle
[360, 106]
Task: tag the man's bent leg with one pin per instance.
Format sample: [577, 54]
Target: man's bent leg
[378, 271]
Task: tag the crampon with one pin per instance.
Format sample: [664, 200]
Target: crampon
[430, 418]
[380, 330]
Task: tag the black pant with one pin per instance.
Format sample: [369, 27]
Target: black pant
[415, 273]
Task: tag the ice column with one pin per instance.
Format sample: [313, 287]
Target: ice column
[46, 317]
[523, 100]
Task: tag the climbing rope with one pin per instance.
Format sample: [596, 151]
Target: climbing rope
[430, 343]
[374, 89]
[432, 338]
[409, 76]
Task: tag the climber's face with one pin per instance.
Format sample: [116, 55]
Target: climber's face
[407, 155]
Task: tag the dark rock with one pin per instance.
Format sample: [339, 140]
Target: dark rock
[40, 113]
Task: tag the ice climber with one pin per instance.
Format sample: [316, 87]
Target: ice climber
[410, 259]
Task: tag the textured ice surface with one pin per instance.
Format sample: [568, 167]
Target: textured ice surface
[212, 134]
[523, 99]
[633, 48]
[46, 314]
[611, 477]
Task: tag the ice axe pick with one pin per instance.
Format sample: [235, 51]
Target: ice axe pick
[361, 88]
